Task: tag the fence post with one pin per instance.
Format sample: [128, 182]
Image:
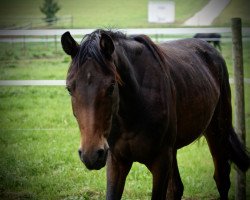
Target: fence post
[240, 190]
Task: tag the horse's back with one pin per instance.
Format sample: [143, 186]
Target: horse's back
[194, 53]
[191, 60]
[196, 69]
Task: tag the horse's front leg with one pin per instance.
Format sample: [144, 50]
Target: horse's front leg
[117, 172]
[161, 170]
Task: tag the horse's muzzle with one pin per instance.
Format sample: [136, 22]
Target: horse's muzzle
[94, 160]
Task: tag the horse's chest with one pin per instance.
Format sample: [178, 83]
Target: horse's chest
[138, 147]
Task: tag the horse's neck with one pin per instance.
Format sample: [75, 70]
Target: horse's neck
[129, 91]
[145, 97]
[125, 57]
[139, 67]
[144, 84]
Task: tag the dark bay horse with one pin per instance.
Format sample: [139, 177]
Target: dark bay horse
[210, 38]
[136, 101]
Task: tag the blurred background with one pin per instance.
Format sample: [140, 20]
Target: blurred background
[26, 14]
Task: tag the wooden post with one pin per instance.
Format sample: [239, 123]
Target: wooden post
[240, 190]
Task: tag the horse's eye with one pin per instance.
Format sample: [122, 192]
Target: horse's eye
[110, 90]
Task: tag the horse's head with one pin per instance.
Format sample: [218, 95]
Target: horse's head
[92, 83]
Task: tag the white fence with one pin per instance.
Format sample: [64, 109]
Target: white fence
[159, 34]
[53, 35]
[131, 31]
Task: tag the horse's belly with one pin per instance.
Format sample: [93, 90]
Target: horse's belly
[194, 118]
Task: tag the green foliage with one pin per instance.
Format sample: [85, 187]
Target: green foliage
[50, 8]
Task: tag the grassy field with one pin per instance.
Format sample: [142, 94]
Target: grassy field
[237, 8]
[39, 137]
[41, 61]
[110, 13]
[90, 14]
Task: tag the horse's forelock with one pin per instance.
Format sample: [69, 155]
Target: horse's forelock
[89, 48]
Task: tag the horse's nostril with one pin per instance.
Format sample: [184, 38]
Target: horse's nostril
[100, 153]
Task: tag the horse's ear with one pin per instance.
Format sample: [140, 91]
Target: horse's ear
[107, 45]
[69, 45]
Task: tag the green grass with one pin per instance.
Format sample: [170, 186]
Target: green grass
[35, 61]
[40, 61]
[227, 55]
[37, 69]
[185, 11]
[39, 137]
[239, 8]
[97, 13]
[111, 13]
[44, 164]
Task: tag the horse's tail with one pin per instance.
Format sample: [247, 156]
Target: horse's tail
[238, 153]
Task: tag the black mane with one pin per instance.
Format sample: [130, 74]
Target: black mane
[89, 46]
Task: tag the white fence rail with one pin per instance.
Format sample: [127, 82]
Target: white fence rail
[32, 83]
[78, 39]
[53, 35]
[147, 31]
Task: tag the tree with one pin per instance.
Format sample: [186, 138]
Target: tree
[50, 8]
